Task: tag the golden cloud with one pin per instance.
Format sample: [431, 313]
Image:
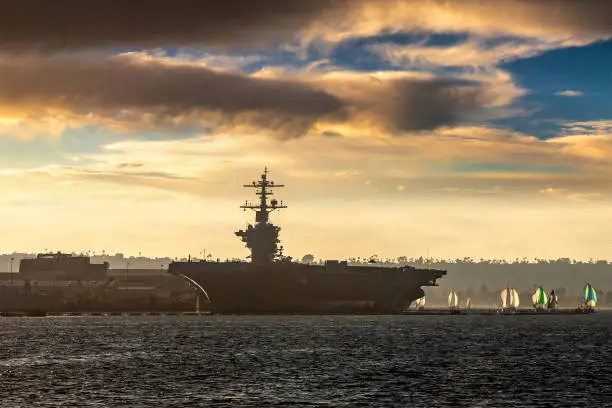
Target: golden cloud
[569, 92]
[132, 91]
[473, 52]
[450, 160]
[557, 20]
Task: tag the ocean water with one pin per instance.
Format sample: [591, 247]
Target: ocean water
[339, 361]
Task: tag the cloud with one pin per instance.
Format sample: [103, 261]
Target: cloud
[135, 91]
[584, 197]
[429, 105]
[136, 174]
[472, 159]
[52, 26]
[580, 197]
[433, 163]
[107, 170]
[569, 93]
[400, 102]
[404, 105]
[551, 190]
[591, 140]
[25, 125]
[594, 147]
[153, 90]
[571, 22]
[129, 90]
[594, 127]
[72, 24]
[473, 191]
[474, 52]
[182, 57]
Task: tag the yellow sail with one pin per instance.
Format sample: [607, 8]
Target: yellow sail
[590, 295]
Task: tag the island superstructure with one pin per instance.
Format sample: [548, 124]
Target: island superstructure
[273, 283]
[262, 239]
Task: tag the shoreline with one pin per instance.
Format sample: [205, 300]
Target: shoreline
[426, 312]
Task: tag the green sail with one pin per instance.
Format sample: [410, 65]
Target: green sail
[539, 298]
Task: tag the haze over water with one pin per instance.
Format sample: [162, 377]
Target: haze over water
[421, 361]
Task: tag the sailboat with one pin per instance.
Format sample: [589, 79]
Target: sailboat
[468, 304]
[453, 300]
[420, 303]
[539, 298]
[590, 297]
[553, 300]
[509, 299]
[506, 298]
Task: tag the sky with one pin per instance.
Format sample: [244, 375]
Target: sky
[398, 127]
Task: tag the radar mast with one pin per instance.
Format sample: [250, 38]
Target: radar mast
[262, 238]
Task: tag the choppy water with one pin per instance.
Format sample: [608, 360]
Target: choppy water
[421, 361]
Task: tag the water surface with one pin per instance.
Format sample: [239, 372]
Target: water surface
[339, 361]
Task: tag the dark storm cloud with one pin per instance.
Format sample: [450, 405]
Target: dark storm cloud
[136, 91]
[409, 104]
[48, 25]
[112, 85]
[51, 25]
[414, 105]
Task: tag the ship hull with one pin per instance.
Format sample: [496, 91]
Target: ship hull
[283, 287]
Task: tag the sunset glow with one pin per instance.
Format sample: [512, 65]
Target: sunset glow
[454, 128]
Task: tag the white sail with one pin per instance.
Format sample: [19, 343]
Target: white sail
[453, 299]
[468, 303]
[506, 298]
[509, 298]
[515, 298]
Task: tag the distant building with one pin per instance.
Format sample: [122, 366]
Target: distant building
[60, 266]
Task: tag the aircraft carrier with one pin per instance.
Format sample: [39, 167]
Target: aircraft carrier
[273, 283]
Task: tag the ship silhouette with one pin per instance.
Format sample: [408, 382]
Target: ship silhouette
[273, 283]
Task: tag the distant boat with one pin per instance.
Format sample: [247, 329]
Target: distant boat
[420, 303]
[590, 296]
[539, 298]
[509, 298]
[453, 299]
[468, 303]
[553, 300]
